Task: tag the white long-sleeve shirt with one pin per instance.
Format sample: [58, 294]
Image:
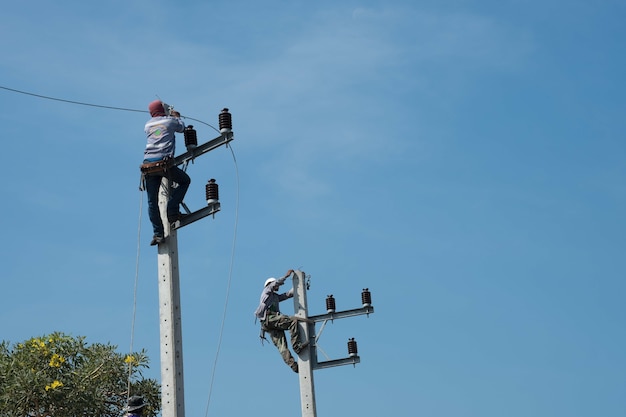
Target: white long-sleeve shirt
[161, 140]
[270, 300]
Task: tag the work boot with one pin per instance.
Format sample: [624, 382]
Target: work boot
[156, 239]
[173, 218]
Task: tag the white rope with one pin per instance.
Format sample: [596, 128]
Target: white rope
[132, 326]
[230, 275]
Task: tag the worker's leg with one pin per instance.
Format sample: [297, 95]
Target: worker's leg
[283, 322]
[295, 335]
[280, 341]
[153, 184]
[177, 194]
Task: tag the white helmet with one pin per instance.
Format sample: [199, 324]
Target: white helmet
[269, 281]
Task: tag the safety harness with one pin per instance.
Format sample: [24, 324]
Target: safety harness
[151, 168]
[264, 329]
[262, 335]
[156, 167]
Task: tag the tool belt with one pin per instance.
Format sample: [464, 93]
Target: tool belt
[155, 167]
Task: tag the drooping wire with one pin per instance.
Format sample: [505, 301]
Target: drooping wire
[200, 121]
[132, 325]
[94, 105]
[69, 101]
[230, 275]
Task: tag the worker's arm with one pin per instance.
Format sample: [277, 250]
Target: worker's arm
[282, 280]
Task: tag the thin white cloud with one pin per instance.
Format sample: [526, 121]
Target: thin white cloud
[325, 92]
[335, 79]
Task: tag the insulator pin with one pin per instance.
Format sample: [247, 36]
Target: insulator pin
[330, 304]
[191, 138]
[226, 121]
[212, 192]
[352, 349]
[366, 298]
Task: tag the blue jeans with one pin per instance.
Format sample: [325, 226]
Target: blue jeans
[153, 184]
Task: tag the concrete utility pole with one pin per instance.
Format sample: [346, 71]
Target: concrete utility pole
[172, 381]
[172, 389]
[308, 362]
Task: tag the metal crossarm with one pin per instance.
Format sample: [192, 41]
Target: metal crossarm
[222, 139]
[196, 215]
[337, 362]
[343, 314]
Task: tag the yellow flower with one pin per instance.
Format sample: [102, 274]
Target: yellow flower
[56, 361]
[55, 384]
[130, 359]
[40, 345]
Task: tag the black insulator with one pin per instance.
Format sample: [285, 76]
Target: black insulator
[212, 192]
[330, 304]
[226, 121]
[352, 350]
[366, 297]
[191, 138]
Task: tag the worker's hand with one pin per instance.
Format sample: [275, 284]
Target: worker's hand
[289, 272]
[175, 113]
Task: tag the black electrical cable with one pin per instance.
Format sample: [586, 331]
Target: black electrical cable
[70, 101]
[94, 105]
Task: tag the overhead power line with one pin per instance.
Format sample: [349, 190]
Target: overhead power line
[80, 103]
[70, 101]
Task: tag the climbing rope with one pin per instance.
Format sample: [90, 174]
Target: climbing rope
[230, 275]
[132, 325]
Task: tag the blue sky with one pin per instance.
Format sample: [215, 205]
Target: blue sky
[464, 160]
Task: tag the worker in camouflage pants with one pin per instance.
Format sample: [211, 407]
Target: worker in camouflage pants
[276, 323]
